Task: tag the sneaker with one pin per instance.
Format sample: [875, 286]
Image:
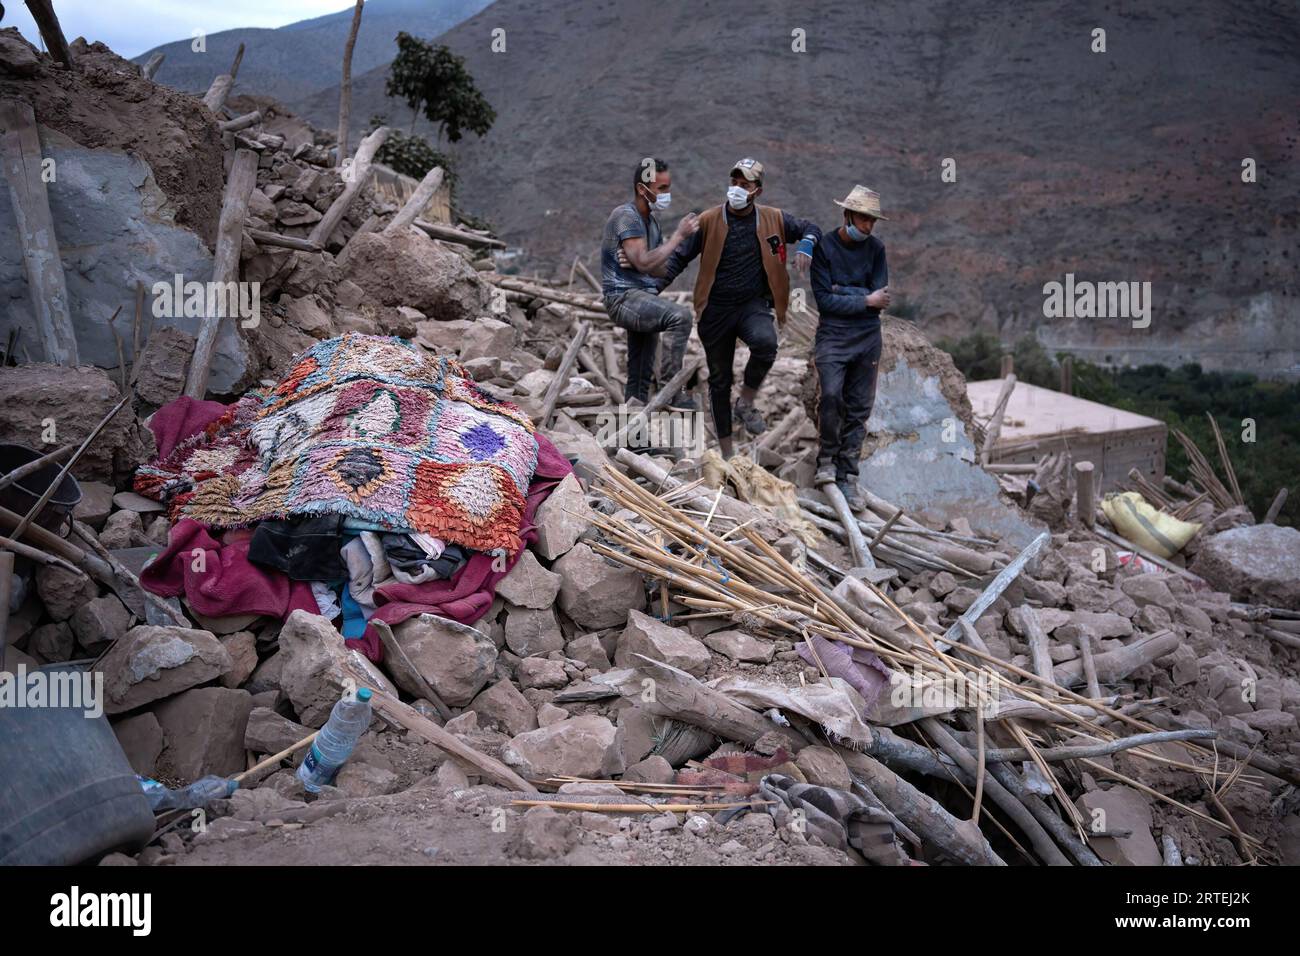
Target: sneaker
[749, 417]
[851, 495]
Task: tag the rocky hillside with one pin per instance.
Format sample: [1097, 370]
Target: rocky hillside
[1117, 166]
[300, 58]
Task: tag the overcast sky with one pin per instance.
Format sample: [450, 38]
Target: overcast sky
[130, 27]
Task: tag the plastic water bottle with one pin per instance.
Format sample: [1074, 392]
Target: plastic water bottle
[198, 794]
[333, 745]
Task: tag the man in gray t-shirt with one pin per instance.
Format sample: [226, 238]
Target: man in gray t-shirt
[632, 293]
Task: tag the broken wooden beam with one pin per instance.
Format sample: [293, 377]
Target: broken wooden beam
[47, 22]
[994, 429]
[20, 150]
[151, 68]
[264, 238]
[225, 264]
[562, 374]
[437, 230]
[355, 176]
[413, 206]
[241, 122]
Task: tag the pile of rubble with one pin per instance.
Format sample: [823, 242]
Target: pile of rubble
[678, 668]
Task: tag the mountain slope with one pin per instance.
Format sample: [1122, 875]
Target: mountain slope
[1116, 166]
[301, 58]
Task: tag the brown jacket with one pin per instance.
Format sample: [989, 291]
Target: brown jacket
[771, 235]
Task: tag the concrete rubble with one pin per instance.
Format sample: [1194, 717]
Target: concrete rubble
[594, 678]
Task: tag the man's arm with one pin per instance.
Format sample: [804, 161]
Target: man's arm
[679, 259]
[652, 262]
[834, 299]
[805, 234]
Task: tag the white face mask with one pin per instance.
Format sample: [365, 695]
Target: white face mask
[663, 200]
[737, 197]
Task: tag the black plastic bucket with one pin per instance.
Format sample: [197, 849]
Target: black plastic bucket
[22, 494]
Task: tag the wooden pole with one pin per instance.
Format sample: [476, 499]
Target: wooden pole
[345, 87]
[1067, 375]
[1276, 507]
[215, 97]
[659, 399]
[264, 238]
[562, 374]
[47, 22]
[152, 66]
[1008, 365]
[857, 543]
[438, 230]
[20, 149]
[355, 177]
[1085, 493]
[225, 266]
[241, 122]
[234, 66]
[995, 423]
[419, 199]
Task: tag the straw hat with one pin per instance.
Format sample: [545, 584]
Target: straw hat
[863, 200]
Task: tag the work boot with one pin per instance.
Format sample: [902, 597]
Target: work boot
[749, 417]
[683, 403]
[825, 474]
[852, 495]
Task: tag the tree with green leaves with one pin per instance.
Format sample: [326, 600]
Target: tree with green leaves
[432, 80]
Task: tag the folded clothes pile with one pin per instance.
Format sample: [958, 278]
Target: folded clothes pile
[374, 478]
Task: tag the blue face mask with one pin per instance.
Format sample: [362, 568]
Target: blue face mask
[856, 234]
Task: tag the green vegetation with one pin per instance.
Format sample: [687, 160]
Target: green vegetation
[433, 80]
[1181, 398]
[410, 155]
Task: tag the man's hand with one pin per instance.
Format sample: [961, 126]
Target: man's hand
[879, 299]
[623, 261]
[801, 263]
[689, 226]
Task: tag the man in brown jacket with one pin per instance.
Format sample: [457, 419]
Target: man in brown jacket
[742, 283]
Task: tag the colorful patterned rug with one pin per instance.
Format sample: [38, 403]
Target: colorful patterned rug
[368, 426]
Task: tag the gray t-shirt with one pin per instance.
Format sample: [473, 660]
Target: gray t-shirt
[625, 222]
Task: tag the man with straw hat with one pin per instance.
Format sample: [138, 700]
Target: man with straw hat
[850, 282]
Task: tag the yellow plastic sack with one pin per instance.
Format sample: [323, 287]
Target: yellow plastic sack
[1159, 533]
[756, 485]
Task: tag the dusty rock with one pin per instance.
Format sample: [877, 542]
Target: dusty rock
[63, 592]
[358, 779]
[502, 707]
[462, 723]
[268, 732]
[1122, 808]
[95, 505]
[123, 529]
[159, 373]
[456, 660]
[17, 56]
[529, 584]
[542, 834]
[656, 640]
[150, 663]
[740, 646]
[653, 769]
[549, 714]
[204, 730]
[1149, 589]
[1257, 563]
[53, 642]
[313, 657]
[100, 621]
[488, 338]
[142, 741]
[824, 767]
[450, 775]
[530, 632]
[69, 402]
[578, 747]
[442, 336]
[562, 518]
[540, 672]
[587, 649]
[243, 657]
[413, 270]
[697, 824]
[597, 593]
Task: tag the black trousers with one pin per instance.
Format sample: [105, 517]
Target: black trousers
[720, 327]
[848, 358]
